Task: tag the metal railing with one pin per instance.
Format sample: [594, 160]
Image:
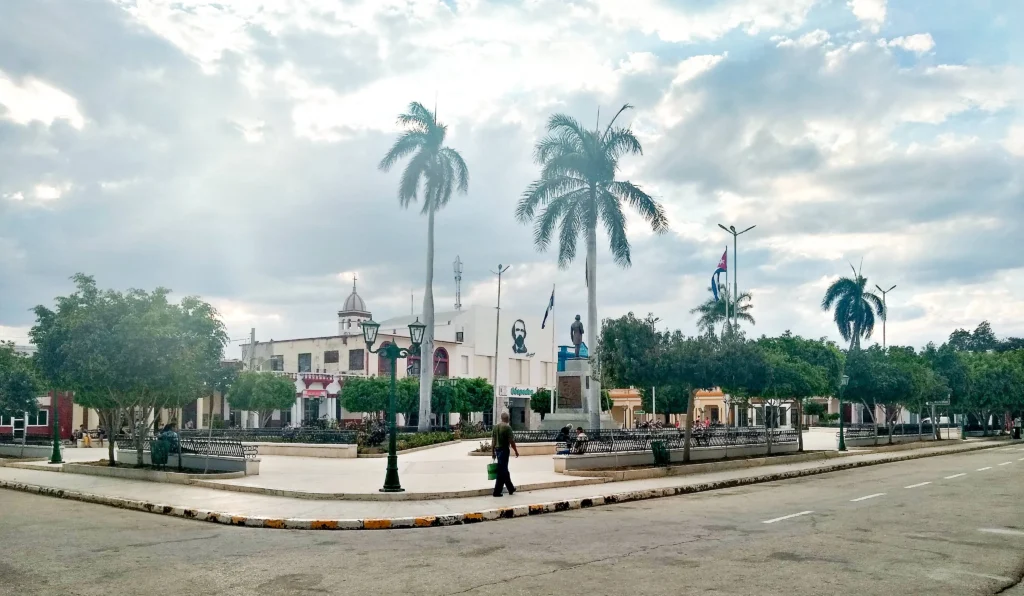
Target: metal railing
[865, 431]
[196, 446]
[622, 440]
[275, 435]
[8, 439]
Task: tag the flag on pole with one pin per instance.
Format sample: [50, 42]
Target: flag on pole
[551, 305]
[723, 267]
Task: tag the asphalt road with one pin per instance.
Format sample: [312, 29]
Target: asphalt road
[915, 527]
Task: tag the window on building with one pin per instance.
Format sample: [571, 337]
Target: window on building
[356, 359]
[286, 417]
[413, 365]
[524, 374]
[515, 376]
[331, 357]
[40, 418]
[383, 364]
[441, 362]
[6, 421]
[277, 363]
[741, 419]
[305, 363]
[460, 336]
[464, 369]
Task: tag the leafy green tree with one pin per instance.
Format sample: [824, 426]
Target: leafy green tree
[127, 353]
[712, 312]
[996, 382]
[435, 171]
[19, 385]
[820, 353]
[540, 402]
[366, 394]
[855, 308]
[630, 351]
[576, 191]
[478, 397]
[789, 378]
[672, 399]
[262, 392]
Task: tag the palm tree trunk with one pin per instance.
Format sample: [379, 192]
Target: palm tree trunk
[427, 347]
[688, 431]
[592, 328]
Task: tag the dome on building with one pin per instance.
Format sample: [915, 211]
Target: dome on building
[354, 303]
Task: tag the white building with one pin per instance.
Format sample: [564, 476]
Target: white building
[464, 342]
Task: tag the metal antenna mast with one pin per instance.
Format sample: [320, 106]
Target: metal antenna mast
[458, 282]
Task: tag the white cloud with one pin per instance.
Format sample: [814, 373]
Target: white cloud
[1014, 140]
[35, 100]
[918, 43]
[813, 38]
[871, 13]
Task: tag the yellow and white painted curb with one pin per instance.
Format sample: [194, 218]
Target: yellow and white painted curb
[432, 521]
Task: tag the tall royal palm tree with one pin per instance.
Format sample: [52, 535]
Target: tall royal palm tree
[855, 308]
[577, 189]
[433, 172]
[712, 312]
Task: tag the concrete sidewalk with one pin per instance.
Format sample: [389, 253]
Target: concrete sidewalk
[281, 512]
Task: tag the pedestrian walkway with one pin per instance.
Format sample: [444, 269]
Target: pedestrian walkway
[275, 511]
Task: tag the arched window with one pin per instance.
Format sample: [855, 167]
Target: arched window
[383, 364]
[413, 363]
[441, 362]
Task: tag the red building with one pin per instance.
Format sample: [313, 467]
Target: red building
[40, 424]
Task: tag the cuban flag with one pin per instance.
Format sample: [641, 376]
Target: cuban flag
[723, 267]
[551, 305]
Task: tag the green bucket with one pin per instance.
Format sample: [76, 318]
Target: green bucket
[492, 470]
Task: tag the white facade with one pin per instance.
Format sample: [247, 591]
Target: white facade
[464, 347]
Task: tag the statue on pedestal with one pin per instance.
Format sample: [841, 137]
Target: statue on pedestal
[576, 334]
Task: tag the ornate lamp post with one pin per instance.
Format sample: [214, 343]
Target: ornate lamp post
[392, 352]
[842, 385]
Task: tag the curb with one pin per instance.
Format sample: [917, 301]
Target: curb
[434, 521]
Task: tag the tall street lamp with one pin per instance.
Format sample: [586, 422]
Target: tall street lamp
[495, 408]
[735, 270]
[885, 309]
[842, 386]
[392, 352]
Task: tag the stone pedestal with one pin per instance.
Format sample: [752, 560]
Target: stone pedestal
[571, 406]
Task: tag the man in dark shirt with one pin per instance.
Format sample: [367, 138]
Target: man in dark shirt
[501, 440]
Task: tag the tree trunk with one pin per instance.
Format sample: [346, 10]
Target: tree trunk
[920, 426]
[427, 347]
[108, 422]
[593, 398]
[689, 425]
[769, 423]
[800, 424]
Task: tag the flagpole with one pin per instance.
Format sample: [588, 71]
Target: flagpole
[554, 359]
[726, 326]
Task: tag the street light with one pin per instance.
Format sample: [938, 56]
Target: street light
[735, 272]
[885, 309]
[842, 385]
[392, 352]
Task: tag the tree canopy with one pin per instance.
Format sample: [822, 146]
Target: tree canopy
[261, 392]
[19, 384]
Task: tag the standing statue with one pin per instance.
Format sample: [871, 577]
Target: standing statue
[576, 333]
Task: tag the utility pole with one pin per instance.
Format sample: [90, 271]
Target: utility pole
[885, 310]
[457, 266]
[735, 270]
[252, 348]
[496, 409]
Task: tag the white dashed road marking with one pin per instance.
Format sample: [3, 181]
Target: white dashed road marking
[917, 485]
[1006, 463]
[954, 476]
[1005, 531]
[867, 497]
[778, 519]
[985, 468]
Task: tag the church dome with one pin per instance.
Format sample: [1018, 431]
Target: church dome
[354, 303]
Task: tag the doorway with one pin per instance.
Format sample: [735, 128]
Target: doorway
[19, 428]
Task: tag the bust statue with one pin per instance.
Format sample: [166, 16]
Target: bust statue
[576, 334]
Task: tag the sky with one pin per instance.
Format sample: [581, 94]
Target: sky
[228, 149]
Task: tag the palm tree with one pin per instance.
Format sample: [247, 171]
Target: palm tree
[576, 190]
[855, 308]
[712, 312]
[433, 171]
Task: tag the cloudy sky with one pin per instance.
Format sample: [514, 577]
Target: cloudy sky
[228, 148]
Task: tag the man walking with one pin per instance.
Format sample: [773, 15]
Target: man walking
[501, 440]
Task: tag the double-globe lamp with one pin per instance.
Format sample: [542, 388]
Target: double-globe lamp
[392, 352]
